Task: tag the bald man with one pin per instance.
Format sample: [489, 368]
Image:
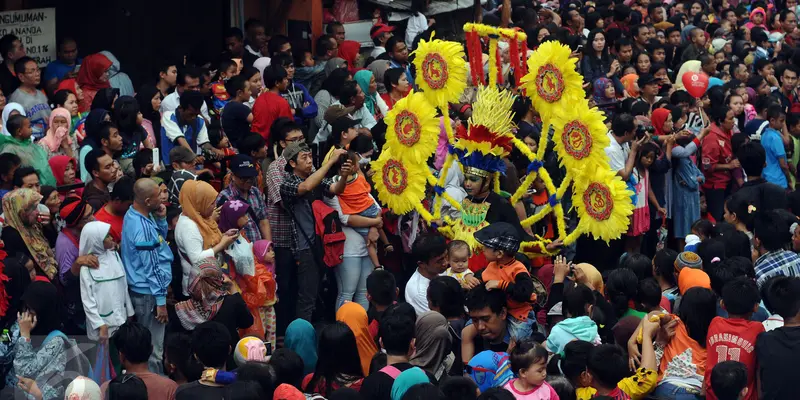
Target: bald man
[148, 263]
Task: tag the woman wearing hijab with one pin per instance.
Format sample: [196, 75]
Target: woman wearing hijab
[407, 379]
[92, 125]
[134, 138]
[333, 64]
[52, 201]
[46, 353]
[354, 315]
[117, 78]
[22, 231]
[57, 140]
[149, 99]
[105, 98]
[631, 85]
[686, 178]
[9, 110]
[197, 234]
[433, 344]
[65, 170]
[104, 290]
[210, 299]
[338, 364]
[302, 339]
[328, 94]
[92, 77]
[378, 69]
[372, 100]
[489, 369]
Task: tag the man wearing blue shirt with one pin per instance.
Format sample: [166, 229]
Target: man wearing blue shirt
[65, 66]
[148, 263]
[777, 169]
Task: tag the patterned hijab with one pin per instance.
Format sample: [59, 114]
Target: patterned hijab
[207, 289]
[195, 197]
[14, 204]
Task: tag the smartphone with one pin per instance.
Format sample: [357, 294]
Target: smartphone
[156, 159]
[268, 345]
[579, 49]
[231, 232]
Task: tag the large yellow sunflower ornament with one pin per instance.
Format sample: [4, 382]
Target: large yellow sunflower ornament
[441, 71]
[412, 131]
[603, 203]
[400, 184]
[580, 138]
[552, 82]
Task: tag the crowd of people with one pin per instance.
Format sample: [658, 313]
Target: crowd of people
[216, 233]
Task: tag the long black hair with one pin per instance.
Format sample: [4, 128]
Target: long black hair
[126, 113]
[145, 97]
[337, 356]
[621, 287]
[589, 52]
[698, 307]
[333, 83]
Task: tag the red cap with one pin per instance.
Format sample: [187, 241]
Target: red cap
[378, 29]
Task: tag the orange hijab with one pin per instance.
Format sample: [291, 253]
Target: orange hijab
[355, 317]
[196, 197]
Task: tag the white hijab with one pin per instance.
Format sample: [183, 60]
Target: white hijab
[92, 237]
[7, 114]
[261, 64]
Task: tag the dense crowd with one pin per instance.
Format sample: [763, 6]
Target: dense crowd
[216, 233]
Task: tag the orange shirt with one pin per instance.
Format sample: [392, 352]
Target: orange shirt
[507, 274]
[684, 358]
[355, 198]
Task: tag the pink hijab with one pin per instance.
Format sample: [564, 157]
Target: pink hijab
[260, 249]
[52, 140]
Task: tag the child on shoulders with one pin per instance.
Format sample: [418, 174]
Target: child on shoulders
[458, 254]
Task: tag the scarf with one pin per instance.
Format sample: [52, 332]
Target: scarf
[629, 82]
[691, 277]
[260, 249]
[433, 341]
[117, 78]
[53, 138]
[363, 78]
[232, 210]
[658, 118]
[207, 289]
[72, 210]
[688, 66]
[599, 91]
[348, 51]
[407, 379]
[302, 339]
[68, 84]
[285, 391]
[378, 69]
[333, 64]
[261, 64]
[489, 369]
[91, 72]
[92, 127]
[195, 197]
[104, 99]
[10, 107]
[594, 276]
[355, 317]
[92, 237]
[58, 165]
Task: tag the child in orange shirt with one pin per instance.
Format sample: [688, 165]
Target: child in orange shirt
[357, 200]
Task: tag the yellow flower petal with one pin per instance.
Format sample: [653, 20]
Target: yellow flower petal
[603, 203]
[400, 185]
[412, 129]
[441, 71]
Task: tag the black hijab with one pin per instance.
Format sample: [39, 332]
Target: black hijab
[104, 99]
[144, 97]
[92, 126]
[42, 299]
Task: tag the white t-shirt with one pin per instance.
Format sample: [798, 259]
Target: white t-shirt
[173, 100]
[617, 154]
[417, 293]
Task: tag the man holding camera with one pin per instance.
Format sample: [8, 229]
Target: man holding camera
[624, 144]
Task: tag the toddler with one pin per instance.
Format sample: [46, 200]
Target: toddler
[577, 306]
[729, 380]
[305, 59]
[458, 254]
[529, 364]
[220, 141]
[357, 200]
[227, 70]
[104, 290]
[259, 292]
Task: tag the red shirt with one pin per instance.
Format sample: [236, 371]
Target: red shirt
[716, 150]
[113, 220]
[269, 107]
[732, 339]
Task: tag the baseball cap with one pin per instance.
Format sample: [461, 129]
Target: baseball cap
[719, 43]
[293, 149]
[342, 124]
[775, 37]
[181, 154]
[243, 166]
[378, 29]
[646, 79]
[334, 112]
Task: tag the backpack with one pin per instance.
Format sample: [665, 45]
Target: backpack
[328, 227]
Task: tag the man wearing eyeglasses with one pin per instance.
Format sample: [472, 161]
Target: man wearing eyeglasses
[243, 187]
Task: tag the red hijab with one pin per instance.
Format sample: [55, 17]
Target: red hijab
[58, 165]
[348, 51]
[68, 84]
[93, 67]
[658, 118]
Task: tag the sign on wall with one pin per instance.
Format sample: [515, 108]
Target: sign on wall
[36, 28]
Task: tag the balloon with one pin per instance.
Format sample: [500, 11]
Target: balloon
[695, 83]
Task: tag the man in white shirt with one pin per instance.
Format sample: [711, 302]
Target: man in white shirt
[430, 252]
[380, 33]
[621, 153]
[188, 80]
[351, 97]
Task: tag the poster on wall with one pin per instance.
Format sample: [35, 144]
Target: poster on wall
[36, 28]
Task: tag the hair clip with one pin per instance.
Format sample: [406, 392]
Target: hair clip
[751, 209]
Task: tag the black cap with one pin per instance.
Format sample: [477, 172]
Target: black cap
[243, 166]
[646, 79]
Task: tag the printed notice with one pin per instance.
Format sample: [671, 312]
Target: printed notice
[36, 28]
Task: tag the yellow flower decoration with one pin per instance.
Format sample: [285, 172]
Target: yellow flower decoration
[603, 203]
[400, 185]
[412, 132]
[552, 82]
[441, 71]
[580, 137]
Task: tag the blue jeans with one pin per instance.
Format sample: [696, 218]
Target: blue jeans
[372, 212]
[145, 307]
[351, 279]
[667, 390]
[522, 329]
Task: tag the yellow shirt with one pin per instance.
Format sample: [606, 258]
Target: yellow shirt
[637, 386]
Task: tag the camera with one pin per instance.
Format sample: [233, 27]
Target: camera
[642, 130]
